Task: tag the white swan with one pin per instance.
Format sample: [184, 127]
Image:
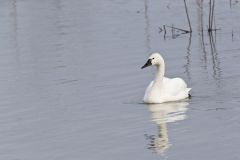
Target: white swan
[164, 89]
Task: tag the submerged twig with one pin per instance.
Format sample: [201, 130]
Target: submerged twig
[183, 30]
[190, 27]
[211, 16]
[173, 31]
[164, 31]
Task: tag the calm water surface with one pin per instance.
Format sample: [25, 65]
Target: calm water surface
[71, 86]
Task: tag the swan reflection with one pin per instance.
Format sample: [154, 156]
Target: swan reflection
[161, 115]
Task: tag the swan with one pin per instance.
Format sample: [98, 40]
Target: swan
[163, 89]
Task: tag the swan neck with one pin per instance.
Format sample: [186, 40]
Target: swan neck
[159, 74]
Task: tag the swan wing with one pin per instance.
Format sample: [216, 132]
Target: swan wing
[175, 88]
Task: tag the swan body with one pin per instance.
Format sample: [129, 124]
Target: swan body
[163, 89]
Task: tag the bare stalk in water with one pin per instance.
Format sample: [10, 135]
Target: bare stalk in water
[189, 23]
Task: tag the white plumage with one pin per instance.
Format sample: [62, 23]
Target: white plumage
[164, 89]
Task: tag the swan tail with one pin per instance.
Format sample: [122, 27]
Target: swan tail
[188, 90]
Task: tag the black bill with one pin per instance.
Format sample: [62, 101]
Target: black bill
[148, 63]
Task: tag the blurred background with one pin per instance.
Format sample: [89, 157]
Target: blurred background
[71, 86]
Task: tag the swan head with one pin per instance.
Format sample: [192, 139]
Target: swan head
[154, 60]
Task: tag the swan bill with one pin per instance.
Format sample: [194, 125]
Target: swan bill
[148, 63]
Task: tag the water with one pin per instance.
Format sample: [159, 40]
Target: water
[71, 84]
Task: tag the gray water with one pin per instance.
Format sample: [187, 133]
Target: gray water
[71, 86]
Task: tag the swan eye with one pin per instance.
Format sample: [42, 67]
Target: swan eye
[152, 58]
